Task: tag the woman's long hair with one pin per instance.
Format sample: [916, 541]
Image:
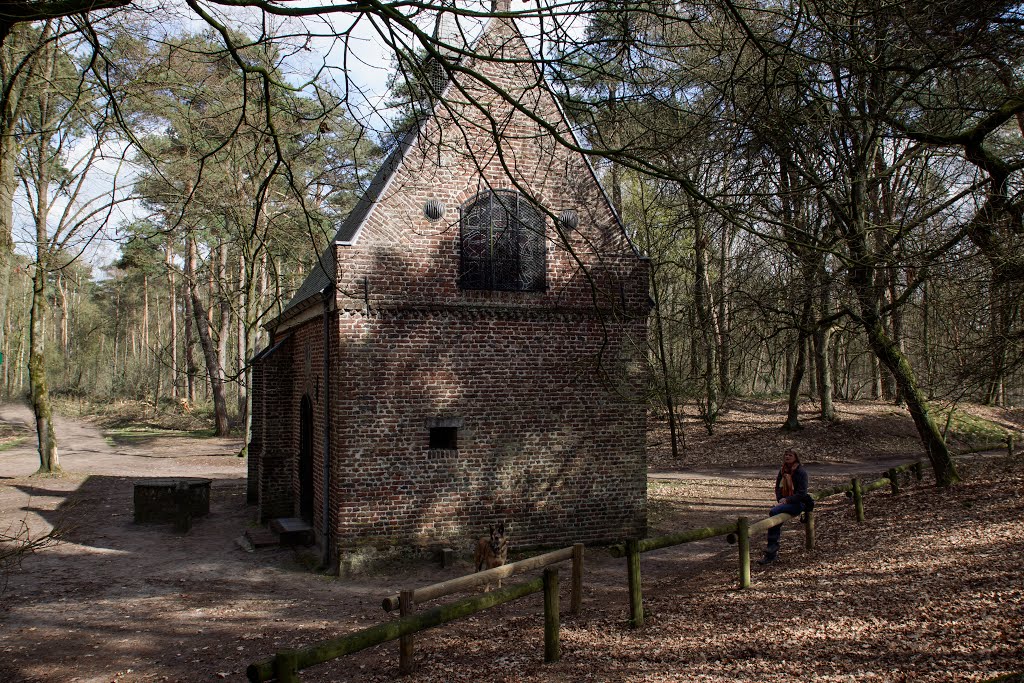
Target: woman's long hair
[796, 459]
[785, 481]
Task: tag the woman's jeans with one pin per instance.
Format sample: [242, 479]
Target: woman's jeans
[775, 533]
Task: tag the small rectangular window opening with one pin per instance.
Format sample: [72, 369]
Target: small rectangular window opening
[444, 438]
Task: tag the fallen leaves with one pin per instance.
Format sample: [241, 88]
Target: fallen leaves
[902, 597]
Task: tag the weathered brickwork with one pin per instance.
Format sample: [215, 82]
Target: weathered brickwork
[293, 370]
[542, 388]
[542, 443]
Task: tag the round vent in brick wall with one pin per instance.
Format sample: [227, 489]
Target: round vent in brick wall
[434, 209]
[569, 219]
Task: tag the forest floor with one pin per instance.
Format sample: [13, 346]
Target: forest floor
[929, 588]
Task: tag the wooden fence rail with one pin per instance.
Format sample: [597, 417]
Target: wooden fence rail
[657, 542]
[284, 666]
[462, 583]
[741, 531]
[407, 600]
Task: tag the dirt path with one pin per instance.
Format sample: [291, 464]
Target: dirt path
[117, 601]
[120, 601]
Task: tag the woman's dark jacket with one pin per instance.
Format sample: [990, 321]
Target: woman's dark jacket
[799, 494]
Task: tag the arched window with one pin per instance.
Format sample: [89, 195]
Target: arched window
[502, 243]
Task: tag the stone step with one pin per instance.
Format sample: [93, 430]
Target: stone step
[292, 531]
[262, 538]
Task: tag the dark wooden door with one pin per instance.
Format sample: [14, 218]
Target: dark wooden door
[306, 489]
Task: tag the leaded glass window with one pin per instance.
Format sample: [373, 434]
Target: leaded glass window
[502, 245]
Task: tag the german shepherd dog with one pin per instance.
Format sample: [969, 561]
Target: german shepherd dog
[492, 550]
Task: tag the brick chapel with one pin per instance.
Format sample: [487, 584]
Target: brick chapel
[472, 346]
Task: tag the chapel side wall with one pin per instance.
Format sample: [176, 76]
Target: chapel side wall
[274, 466]
[305, 377]
[254, 450]
[294, 370]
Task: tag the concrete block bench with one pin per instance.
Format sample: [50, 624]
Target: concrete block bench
[174, 499]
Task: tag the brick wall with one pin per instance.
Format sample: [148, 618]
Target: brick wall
[544, 387]
[293, 370]
[543, 441]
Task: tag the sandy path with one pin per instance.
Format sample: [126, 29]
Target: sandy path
[119, 596]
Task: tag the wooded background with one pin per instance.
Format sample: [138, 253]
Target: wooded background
[829, 192]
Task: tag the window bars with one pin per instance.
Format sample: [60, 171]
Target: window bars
[502, 243]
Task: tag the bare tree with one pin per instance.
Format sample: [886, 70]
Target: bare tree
[66, 215]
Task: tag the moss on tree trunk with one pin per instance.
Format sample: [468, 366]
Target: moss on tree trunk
[894, 360]
[49, 461]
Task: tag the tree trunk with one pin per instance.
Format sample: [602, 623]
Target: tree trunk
[810, 365]
[191, 370]
[5, 345]
[822, 345]
[999, 324]
[896, 323]
[724, 328]
[242, 337]
[792, 423]
[224, 293]
[49, 461]
[8, 186]
[926, 344]
[666, 383]
[8, 179]
[691, 318]
[145, 354]
[220, 406]
[173, 341]
[790, 366]
[615, 173]
[117, 341]
[702, 306]
[893, 360]
[877, 389]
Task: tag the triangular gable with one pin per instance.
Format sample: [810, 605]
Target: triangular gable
[540, 80]
[351, 228]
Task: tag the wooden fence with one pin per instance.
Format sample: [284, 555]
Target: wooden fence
[284, 666]
[741, 530]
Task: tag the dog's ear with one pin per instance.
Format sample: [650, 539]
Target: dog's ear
[490, 529]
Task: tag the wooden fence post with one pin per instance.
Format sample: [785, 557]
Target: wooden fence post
[406, 644]
[636, 594]
[809, 529]
[858, 500]
[552, 648]
[286, 667]
[743, 536]
[576, 601]
[894, 480]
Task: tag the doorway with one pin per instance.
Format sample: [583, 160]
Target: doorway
[306, 488]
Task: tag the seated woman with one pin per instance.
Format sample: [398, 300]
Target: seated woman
[792, 497]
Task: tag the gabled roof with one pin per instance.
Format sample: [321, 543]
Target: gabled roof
[319, 279]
